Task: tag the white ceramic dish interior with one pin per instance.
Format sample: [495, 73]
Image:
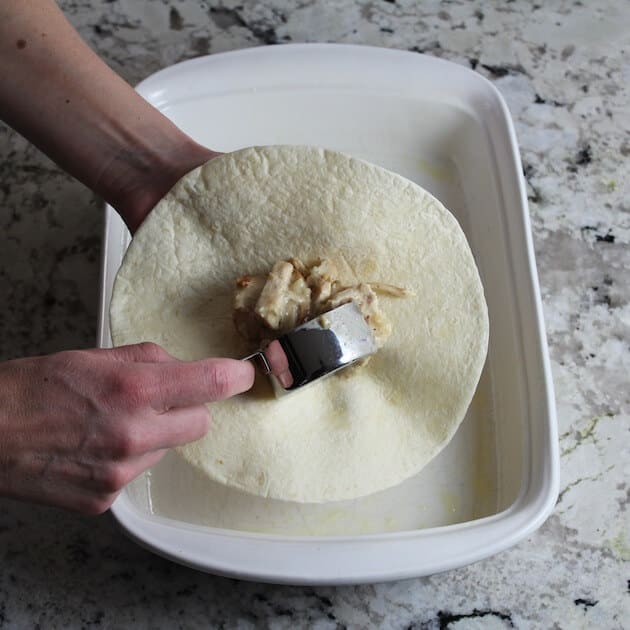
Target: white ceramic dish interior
[448, 129]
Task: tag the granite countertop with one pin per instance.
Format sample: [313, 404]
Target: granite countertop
[564, 69]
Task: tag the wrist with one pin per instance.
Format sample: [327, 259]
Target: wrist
[137, 178]
[64, 99]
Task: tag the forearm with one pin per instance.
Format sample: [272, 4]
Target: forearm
[63, 98]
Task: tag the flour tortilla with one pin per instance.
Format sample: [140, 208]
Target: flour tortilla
[349, 435]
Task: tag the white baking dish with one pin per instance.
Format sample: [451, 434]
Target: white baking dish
[448, 129]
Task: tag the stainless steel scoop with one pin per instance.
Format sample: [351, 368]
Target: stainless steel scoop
[317, 348]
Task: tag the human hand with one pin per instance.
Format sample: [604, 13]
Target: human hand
[77, 426]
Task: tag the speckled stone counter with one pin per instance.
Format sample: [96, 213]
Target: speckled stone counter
[564, 69]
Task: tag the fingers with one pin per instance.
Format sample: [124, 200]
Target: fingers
[180, 426]
[110, 479]
[183, 384]
[91, 489]
[175, 383]
[145, 352]
[176, 427]
[145, 432]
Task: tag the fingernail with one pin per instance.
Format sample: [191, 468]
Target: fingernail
[250, 374]
[244, 375]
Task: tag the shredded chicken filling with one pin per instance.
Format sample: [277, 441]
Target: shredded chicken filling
[293, 293]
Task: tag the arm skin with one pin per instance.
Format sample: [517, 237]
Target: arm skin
[76, 426]
[62, 97]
